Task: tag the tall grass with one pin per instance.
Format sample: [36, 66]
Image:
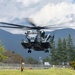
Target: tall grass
[53, 71]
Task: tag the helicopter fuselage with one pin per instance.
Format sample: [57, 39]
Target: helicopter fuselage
[37, 46]
[39, 42]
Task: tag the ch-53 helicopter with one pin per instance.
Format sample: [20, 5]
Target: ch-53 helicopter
[40, 42]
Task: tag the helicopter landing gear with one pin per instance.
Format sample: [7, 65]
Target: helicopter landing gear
[29, 51]
[46, 51]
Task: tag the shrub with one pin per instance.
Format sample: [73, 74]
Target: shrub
[72, 64]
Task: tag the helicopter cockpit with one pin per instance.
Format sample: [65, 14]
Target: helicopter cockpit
[31, 36]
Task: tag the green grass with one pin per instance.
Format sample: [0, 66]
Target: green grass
[54, 71]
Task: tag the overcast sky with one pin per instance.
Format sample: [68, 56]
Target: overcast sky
[60, 13]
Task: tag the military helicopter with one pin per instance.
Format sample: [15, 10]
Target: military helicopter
[40, 42]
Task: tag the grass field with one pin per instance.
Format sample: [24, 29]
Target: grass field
[54, 71]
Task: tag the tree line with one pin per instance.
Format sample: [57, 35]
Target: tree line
[63, 51]
[10, 57]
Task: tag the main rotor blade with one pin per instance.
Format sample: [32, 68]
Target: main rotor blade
[10, 24]
[55, 27]
[10, 27]
[34, 27]
[30, 22]
[22, 28]
[17, 26]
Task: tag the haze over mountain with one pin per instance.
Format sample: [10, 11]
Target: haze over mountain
[13, 42]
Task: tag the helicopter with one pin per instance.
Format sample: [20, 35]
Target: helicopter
[38, 41]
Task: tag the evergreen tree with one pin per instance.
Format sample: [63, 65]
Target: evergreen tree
[53, 54]
[71, 50]
[64, 52]
[59, 53]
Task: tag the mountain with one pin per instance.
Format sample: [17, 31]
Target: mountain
[13, 42]
[63, 33]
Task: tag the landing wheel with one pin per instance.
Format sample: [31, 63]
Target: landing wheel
[29, 51]
[46, 51]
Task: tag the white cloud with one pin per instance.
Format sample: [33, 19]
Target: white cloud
[55, 14]
[28, 2]
[42, 11]
[22, 8]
